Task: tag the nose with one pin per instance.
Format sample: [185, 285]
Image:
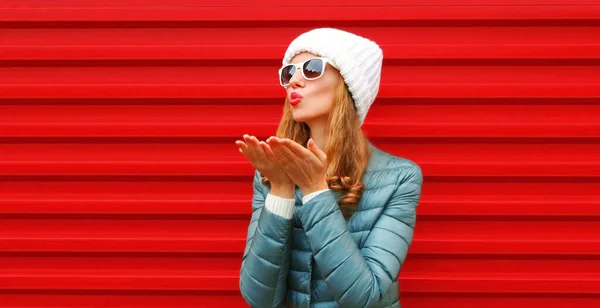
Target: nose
[297, 80]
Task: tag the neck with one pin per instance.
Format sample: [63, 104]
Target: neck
[318, 132]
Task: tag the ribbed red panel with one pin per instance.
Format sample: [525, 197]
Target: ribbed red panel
[121, 185]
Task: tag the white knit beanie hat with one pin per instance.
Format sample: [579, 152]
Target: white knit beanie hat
[358, 59]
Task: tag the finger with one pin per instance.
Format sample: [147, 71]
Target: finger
[296, 148]
[258, 150]
[296, 164]
[252, 145]
[241, 145]
[259, 156]
[246, 138]
[301, 152]
[268, 151]
[286, 152]
[251, 140]
[278, 151]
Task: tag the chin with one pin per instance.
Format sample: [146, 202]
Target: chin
[302, 118]
[299, 117]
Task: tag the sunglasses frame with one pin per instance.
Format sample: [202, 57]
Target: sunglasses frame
[301, 67]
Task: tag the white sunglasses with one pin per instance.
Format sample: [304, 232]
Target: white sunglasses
[311, 69]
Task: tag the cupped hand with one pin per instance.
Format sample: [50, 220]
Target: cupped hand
[254, 150]
[306, 167]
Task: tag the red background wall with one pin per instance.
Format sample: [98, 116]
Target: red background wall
[121, 185]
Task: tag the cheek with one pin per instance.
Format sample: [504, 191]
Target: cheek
[322, 99]
[320, 103]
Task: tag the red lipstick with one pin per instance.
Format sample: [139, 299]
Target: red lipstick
[295, 99]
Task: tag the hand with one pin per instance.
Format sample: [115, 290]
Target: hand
[254, 152]
[307, 168]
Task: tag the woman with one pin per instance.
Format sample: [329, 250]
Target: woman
[333, 216]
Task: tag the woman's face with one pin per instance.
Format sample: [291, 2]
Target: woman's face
[317, 95]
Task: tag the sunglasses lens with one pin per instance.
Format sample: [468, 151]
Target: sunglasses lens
[313, 68]
[286, 74]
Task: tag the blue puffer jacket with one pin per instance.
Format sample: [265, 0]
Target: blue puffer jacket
[320, 259]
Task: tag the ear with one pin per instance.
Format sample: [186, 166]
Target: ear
[312, 146]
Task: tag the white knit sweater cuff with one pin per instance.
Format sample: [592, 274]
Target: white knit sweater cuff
[307, 198]
[283, 207]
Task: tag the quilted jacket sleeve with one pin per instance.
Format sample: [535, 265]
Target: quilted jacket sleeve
[360, 277]
[265, 262]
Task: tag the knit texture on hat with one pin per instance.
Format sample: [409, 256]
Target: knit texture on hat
[358, 59]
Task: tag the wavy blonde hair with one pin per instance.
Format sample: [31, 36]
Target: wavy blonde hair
[347, 147]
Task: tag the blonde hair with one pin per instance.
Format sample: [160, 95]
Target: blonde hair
[347, 147]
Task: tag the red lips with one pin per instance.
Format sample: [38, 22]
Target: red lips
[295, 98]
